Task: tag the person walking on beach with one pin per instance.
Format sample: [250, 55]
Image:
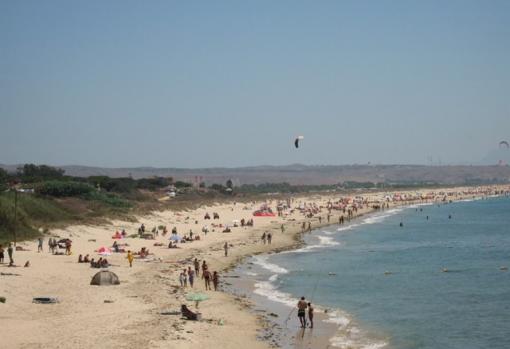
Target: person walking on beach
[264, 238]
[269, 238]
[310, 314]
[207, 277]
[303, 227]
[182, 278]
[225, 247]
[10, 250]
[1, 254]
[215, 280]
[197, 267]
[302, 305]
[309, 226]
[191, 277]
[40, 245]
[68, 247]
[204, 268]
[130, 258]
[282, 228]
[320, 219]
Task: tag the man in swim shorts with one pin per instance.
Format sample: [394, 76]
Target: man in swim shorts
[302, 305]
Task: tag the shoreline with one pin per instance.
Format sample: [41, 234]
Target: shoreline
[148, 292]
[274, 311]
[271, 309]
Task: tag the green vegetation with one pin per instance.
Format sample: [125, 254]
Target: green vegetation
[63, 188]
[3, 179]
[108, 199]
[47, 198]
[32, 212]
[31, 173]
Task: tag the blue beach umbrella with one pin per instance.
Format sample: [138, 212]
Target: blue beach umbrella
[175, 237]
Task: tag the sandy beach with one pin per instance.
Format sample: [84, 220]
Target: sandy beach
[144, 310]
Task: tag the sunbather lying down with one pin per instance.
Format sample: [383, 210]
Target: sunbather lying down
[188, 314]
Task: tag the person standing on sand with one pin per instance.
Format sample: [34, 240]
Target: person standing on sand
[182, 277]
[282, 228]
[40, 245]
[197, 267]
[225, 247]
[207, 277]
[303, 227]
[309, 226]
[9, 252]
[215, 280]
[1, 254]
[264, 238]
[269, 238]
[320, 219]
[191, 277]
[68, 247]
[130, 258]
[302, 305]
[204, 268]
[310, 314]
[185, 278]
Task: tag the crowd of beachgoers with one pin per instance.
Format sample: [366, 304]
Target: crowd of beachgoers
[159, 259]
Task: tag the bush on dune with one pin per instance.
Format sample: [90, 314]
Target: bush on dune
[63, 189]
[108, 199]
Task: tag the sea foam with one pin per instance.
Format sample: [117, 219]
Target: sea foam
[262, 261]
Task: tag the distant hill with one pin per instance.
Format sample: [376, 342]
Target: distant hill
[303, 174]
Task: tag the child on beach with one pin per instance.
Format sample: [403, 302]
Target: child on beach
[310, 314]
[130, 258]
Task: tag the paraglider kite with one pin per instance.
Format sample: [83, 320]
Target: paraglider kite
[504, 144]
[296, 142]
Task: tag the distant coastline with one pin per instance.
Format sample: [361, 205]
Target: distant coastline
[297, 174]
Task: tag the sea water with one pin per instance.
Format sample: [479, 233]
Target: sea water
[437, 282]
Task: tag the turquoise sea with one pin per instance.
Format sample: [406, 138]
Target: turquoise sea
[434, 283]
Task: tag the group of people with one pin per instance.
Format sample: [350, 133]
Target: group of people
[266, 237]
[302, 307]
[85, 259]
[188, 275]
[120, 235]
[10, 251]
[53, 245]
[215, 215]
[248, 223]
[100, 263]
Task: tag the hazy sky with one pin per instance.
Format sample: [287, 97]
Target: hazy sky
[231, 83]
